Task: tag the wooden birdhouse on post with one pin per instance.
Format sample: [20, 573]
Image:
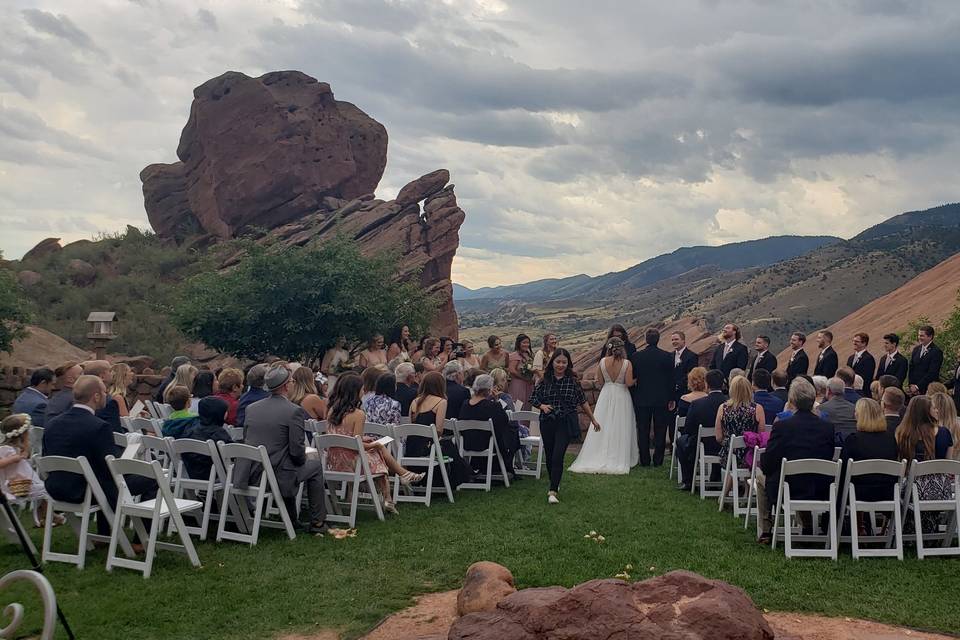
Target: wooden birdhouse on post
[100, 331]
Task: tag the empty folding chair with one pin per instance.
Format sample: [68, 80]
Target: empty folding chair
[356, 483]
[735, 475]
[789, 508]
[491, 452]
[674, 459]
[78, 514]
[156, 510]
[205, 489]
[849, 502]
[534, 441]
[240, 460]
[924, 474]
[433, 460]
[703, 467]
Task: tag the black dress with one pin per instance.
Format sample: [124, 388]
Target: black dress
[508, 437]
[458, 471]
[863, 445]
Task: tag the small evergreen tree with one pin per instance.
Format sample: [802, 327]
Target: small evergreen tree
[13, 310]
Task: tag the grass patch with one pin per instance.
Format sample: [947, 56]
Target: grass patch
[311, 583]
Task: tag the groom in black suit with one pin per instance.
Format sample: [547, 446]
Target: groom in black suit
[652, 395]
[730, 354]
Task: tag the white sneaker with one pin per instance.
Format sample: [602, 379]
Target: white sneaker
[552, 498]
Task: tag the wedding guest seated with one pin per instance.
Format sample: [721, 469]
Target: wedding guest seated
[208, 426]
[803, 435]
[887, 381]
[849, 380]
[936, 387]
[183, 377]
[369, 377]
[944, 410]
[920, 438]
[772, 405]
[702, 413]
[303, 392]
[697, 383]
[430, 408]
[347, 419]
[175, 364]
[204, 384]
[876, 391]
[871, 441]
[780, 379]
[820, 385]
[374, 354]
[736, 372]
[79, 432]
[255, 391]
[277, 424]
[483, 406]
[738, 415]
[406, 376]
[123, 377]
[62, 400]
[182, 417]
[231, 387]
[470, 376]
[457, 394]
[838, 410]
[382, 408]
[495, 357]
[110, 413]
[33, 400]
[892, 401]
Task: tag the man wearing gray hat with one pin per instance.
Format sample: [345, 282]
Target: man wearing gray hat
[277, 424]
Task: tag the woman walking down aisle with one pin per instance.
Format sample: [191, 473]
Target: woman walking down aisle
[558, 396]
[614, 449]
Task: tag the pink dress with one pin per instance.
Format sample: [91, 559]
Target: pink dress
[345, 460]
[520, 389]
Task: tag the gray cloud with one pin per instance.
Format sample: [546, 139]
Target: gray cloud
[61, 27]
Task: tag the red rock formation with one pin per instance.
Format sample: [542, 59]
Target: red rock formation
[278, 152]
[43, 248]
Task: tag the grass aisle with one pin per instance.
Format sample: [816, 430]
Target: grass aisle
[280, 586]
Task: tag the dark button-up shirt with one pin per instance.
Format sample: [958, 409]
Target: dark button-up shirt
[564, 395]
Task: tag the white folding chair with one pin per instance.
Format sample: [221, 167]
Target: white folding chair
[382, 430]
[491, 452]
[153, 408]
[674, 458]
[36, 441]
[358, 482]
[849, 503]
[433, 460]
[518, 405]
[120, 439]
[235, 433]
[156, 510]
[78, 514]
[236, 489]
[735, 475]
[534, 441]
[205, 488]
[405, 420]
[753, 502]
[165, 410]
[314, 428]
[159, 449]
[703, 467]
[789, 508]
[146, 426]
[450, 431]
[918, 505]
[836, 453]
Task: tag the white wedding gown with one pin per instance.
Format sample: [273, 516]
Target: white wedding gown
[613, 449]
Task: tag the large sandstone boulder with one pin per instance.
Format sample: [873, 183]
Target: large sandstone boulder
[43, 248]
[29, 279]
[262, 152]
[81, 272]
[679, 605]
[486, 584]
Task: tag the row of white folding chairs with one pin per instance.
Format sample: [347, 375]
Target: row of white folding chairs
[534, 441]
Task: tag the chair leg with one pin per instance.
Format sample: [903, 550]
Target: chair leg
[177, 518]
[443, 475]
[898, 528]
[82, 533]
[918, 528]
[539, 460]
[787, 528]
[854, 530]
[45, 545]
[354, 502]
[429, 492]
[151, 550]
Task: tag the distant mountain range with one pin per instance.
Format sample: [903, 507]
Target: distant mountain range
[733, 256]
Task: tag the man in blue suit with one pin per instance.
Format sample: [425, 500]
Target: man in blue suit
[33, 400]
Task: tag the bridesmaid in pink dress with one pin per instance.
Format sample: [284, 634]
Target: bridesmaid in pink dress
[520, 366]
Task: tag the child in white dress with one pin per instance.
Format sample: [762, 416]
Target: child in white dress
[19, 480]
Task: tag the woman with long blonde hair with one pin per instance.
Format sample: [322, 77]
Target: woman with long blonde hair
[944, 409]
[736, 416]
[303, 391]
[119, 390]
[183, 377]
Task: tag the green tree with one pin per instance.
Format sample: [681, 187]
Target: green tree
[13, 310]
[295, 302]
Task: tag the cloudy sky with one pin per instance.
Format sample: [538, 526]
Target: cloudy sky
[582, 137]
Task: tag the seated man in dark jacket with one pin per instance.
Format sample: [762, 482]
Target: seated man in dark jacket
[702, 413]
[457, 394]
[79, 432]
[803, 435]
[483, 406]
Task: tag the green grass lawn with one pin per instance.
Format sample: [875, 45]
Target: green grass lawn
[281, 586]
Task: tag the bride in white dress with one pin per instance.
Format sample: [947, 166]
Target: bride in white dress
[613, 450]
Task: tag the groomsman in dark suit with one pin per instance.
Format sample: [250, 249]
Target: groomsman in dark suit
[762, 359]
[731, 353]
[954, 384]
[684, 361]
[652, 395]
[925, 362]
[799, 362]
[892, 363]
[827, 361]
[862, 362]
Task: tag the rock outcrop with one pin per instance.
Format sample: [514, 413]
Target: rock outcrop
[43, 248]
[81, 272]
[262, 152]
[679, 605]
[279, 154]
[486, 584]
